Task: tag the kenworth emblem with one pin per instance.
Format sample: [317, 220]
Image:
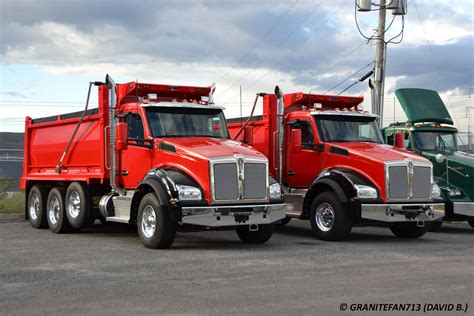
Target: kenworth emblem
[411, 176]
[240, 171]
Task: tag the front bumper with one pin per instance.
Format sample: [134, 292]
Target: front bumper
[403, 212]
[463, 208]
[235, 215]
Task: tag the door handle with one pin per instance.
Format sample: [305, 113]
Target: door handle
[124, 172]
[291, 173]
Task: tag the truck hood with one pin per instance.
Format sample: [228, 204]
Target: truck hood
[422, 105]
[208, 147]
[377, 152]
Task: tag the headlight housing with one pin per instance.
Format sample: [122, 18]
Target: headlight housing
[435, 191]
[188, 193]
[275, 191]
[365, 191]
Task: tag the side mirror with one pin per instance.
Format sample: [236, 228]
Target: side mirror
[295, 140]
[122, 136]
[248, 135]
[399, 140]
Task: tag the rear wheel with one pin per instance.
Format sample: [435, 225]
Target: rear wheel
[36, 207]
[154, 225]
[329, 220]
[76, 205]
[57, 219]
[408, 230]
[259, 236]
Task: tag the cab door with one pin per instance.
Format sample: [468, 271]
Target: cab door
[136, 159]
[303, 166]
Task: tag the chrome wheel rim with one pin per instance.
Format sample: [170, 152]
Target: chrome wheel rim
[74, 204]
[53, 210]
[34, 208]
[325, 217]
[148, 221]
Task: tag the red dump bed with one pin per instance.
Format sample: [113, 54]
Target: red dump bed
[46, 139]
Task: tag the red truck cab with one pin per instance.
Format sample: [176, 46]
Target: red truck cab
[158, 156]
[335, 169]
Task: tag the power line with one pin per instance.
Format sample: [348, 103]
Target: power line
[297, 47]
[349, 77]
[259, 41]
[290, 34]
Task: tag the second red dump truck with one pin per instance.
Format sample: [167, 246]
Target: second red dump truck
[335, 170]
[158, 156]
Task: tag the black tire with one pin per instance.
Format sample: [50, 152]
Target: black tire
[340, 226]
[435, 226]
[36, 208]
[76, 205]
[471, 223]
[409, 230]
[284, 221]
[55, 213]
[260, 236]
[164, 232]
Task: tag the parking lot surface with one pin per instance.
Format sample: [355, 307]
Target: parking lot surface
[106, 270]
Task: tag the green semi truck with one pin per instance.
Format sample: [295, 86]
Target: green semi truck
[429, 132]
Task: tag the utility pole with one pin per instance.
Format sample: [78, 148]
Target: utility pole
[399, 7]
[380, 61]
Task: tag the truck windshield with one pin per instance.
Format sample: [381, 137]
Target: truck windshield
[342, 128]
[186, 122]
[437, 141]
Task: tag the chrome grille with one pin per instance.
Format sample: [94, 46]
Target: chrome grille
[226, 186]
[398, 185]
[407, 180]
[421, 182]
[255, 181]
[239, 179]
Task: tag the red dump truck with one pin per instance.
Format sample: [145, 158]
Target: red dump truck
[334, 168]
[158, 156]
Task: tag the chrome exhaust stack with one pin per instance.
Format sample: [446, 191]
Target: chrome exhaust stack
[280, 111]
[112, 137]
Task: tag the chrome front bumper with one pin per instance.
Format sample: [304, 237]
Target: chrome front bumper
[235, 215]
[402, 212]
[463, 208]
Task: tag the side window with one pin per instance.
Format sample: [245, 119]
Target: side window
[307, 136]
[135, 126]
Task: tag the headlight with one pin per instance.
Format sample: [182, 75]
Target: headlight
[454, 192]
[435, 191]
[275, 191]
[365, 192]
[188, 193]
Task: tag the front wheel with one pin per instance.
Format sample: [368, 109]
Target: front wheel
[409, 230]
[435, 225]
[154, 225]
[259, 236]
[329, 220]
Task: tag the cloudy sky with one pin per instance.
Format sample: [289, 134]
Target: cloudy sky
[49, 50]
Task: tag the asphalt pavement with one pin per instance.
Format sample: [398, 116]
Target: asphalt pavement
[106, 270]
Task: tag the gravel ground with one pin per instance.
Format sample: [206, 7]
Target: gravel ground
[106, 270]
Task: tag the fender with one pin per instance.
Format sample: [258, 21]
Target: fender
[340, 182]
[163, 183]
